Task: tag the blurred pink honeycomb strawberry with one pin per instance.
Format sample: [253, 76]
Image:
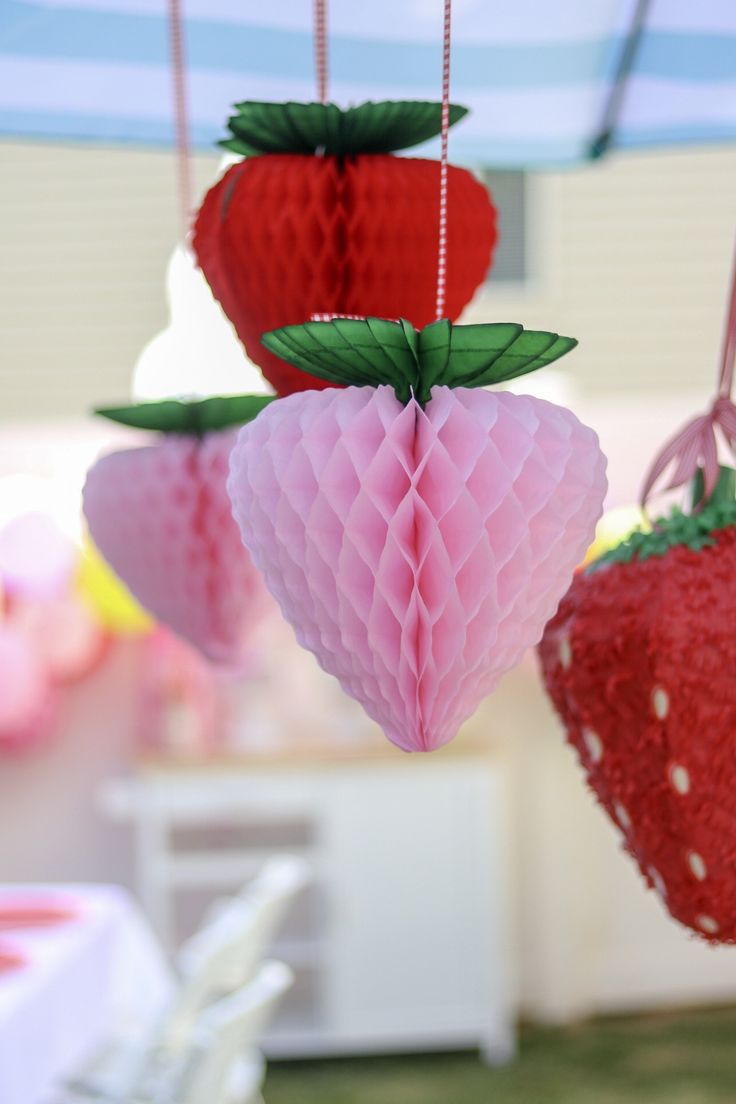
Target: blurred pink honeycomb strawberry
[28, 701]
[417, 550]
[161, 517]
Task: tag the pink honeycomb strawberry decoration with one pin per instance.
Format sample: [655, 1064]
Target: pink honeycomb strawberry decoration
[161, 517]
[417, 534]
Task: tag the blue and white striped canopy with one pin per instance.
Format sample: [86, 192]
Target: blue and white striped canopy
[536, 73]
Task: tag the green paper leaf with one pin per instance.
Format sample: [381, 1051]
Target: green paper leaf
[546, 355]
[349, 351]
[695, 531]
[532, 349]
[373, 351]
[433, 356]
[235, 145]
[309, 128]
[467, 356]
[195, 418]
[724, 492]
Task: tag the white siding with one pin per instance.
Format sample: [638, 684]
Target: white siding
[630, 255]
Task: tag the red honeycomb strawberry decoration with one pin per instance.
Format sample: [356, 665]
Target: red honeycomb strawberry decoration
[639, 662]
[321, 217]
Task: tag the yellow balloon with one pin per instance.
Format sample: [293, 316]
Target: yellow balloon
[110, 600]
[615, 525]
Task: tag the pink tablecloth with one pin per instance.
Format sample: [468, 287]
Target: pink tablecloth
[86, 979]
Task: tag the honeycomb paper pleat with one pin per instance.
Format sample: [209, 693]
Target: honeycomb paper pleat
[162, 519]
[282, 237]
[417, 554]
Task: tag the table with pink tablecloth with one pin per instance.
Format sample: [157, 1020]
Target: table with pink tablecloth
[87, 974]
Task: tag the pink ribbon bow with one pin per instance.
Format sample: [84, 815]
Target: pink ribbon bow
[696, 444]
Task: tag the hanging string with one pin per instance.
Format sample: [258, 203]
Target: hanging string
[320, 49]
[728, 356]
[442, 245]
[181, 112]
[696, 444]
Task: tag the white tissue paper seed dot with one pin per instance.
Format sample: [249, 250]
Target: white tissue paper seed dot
[708, 924]
[594, 744]
[679, 778]
[565, 652]
[697, 865]
[621, 815]
[658, 881]
[660, 702]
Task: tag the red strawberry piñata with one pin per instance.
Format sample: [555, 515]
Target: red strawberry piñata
[639, 662]
[322, 218]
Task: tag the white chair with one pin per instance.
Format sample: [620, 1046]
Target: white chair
[223, 954]
[222, 1065]
[219, 959]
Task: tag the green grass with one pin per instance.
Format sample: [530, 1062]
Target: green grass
[679, 1058]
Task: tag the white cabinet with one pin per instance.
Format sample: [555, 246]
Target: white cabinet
[401, 942]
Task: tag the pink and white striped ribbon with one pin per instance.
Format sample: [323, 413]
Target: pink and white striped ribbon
[696, 444]
[320, 49]
[442, 245]
[181, 111]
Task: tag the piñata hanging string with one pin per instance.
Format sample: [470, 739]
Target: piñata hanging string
[181, 113]
[442, 245]
[696, 444]
[320, 49]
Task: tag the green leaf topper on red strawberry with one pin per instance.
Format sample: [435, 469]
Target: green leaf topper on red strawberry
[374, 351]
[308, 128]
[695, 530]
[193, 418]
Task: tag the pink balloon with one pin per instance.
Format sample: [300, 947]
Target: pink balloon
[417, 553]
[64, 633]
[27, 704]
[36, 558]
[162, 519]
